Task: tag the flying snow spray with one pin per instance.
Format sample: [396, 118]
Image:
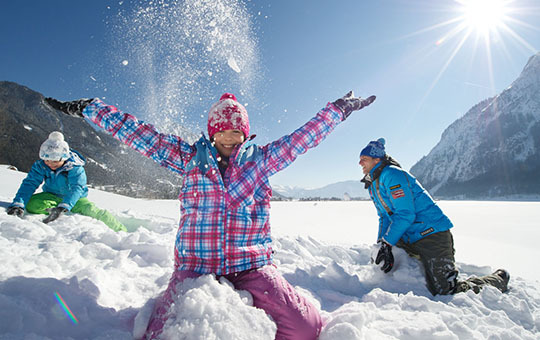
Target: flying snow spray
[181, 55]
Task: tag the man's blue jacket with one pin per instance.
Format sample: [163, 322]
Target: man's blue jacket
[410, 213]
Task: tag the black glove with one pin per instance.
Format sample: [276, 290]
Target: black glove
[385, 254]
[54, 213]
[350, 103]
[14, 210]
[73, 108]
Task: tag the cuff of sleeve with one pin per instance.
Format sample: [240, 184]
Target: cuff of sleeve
[335, 108]
[17, 204]
[65, 206]
[86, 112]
[385, 241]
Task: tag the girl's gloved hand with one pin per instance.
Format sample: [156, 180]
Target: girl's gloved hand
[349, 103]
[73, 108]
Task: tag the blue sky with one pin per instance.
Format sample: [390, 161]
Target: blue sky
[166, 62]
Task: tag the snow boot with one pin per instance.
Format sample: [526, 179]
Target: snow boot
[504, 275]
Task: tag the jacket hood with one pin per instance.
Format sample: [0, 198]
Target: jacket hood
[75, 159]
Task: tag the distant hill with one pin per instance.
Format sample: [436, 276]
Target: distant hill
[345, 190]
[493, 151]
[26, 121]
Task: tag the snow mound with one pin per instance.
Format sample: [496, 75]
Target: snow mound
[110, 280]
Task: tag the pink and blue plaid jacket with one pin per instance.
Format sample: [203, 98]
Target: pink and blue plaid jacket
[224, 221]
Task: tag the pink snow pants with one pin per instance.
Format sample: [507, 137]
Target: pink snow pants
[295, 317]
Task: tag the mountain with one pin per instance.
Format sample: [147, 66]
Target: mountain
[345, 190]
[26, 121]
[493, 151]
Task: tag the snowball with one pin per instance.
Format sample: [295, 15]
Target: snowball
[232, 64]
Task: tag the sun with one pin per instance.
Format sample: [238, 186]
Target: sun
[479, 28]
[483, 16]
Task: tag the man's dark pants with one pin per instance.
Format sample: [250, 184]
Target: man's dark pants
[436, 252]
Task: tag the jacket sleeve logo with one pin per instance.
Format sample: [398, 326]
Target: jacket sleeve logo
[427, 231]
[398, 193]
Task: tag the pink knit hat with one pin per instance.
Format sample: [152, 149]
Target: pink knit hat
[228, 114]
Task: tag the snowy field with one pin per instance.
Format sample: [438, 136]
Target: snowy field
[109, 280]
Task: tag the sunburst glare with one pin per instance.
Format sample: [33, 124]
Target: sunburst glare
[484, 16]
[481, 28]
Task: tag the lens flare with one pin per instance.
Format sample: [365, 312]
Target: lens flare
[65, 307]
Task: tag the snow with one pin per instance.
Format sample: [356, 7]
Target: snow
[233, 65]
[175, 46]
[109, 280]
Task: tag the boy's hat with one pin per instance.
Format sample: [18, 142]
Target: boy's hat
[54, 148]
[374, 149]
[228, 114]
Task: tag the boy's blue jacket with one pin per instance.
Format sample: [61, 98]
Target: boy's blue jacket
[414, 214]
[67, 182]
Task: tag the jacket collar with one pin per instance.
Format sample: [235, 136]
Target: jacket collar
[377, 170]
[206, 143]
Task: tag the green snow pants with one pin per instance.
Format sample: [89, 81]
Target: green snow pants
[39, 203]
[436, 252]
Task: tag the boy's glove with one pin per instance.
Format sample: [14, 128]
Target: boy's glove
[14, 210]
[73, 108]
[350, 103]
[54, 213]
[385, 254]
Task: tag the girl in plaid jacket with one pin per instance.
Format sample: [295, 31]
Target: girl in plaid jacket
[225, 200]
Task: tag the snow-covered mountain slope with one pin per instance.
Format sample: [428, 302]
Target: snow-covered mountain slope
[493, 151]
[341, 190]
[108, 280]
[26, 121]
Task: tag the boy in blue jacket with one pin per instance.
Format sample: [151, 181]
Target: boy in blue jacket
[410, 219]
[65, 189]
